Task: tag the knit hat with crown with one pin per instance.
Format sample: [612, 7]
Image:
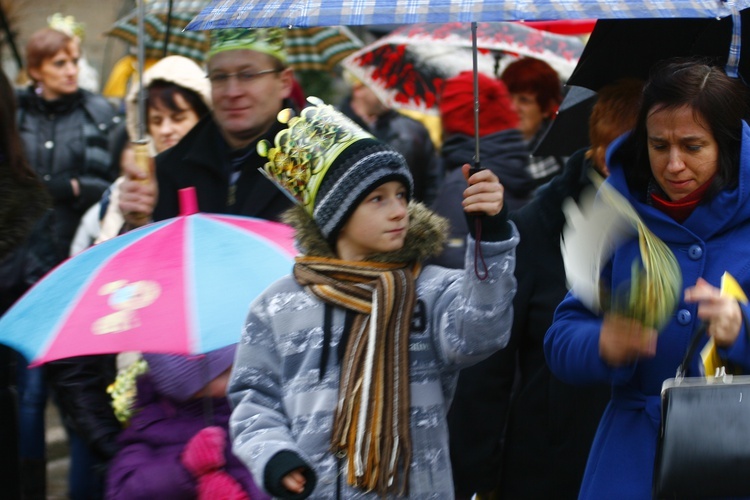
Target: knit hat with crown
[328, 164]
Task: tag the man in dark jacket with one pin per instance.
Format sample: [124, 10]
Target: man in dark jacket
[250, 84]
[406, 135]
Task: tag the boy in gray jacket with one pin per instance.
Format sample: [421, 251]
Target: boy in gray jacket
[346, 368]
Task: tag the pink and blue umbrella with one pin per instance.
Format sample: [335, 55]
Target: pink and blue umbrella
[183, 285]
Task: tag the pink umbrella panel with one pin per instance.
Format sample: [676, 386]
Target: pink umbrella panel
[182, 286]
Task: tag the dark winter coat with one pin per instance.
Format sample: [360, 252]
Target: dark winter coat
[23, 203]
[711, 241]
[27, 249]
[506, 155]
[200, 160]
[149, 465]
[512, 422]
[21, 206]
[80, 385]
[68, 139]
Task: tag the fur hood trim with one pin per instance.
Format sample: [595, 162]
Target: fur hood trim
[427, 232]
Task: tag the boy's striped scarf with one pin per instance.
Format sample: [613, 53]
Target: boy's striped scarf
[371, 424]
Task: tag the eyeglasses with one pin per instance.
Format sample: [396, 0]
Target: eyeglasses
[243, 77]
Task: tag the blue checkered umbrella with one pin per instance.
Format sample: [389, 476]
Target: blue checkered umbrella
[277, 13]
[268, 13]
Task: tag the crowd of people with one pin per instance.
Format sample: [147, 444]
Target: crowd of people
[425, 343]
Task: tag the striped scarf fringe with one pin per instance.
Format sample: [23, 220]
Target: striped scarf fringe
[371, 424]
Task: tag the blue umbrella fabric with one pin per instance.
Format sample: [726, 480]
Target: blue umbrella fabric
[277, 13]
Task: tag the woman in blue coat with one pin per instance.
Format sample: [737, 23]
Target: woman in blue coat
[686, 170]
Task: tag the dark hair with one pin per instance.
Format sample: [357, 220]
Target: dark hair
[536, 76]
[162, 91]
[44, 44]
[12, 155]
[118, 141]
[719, 101]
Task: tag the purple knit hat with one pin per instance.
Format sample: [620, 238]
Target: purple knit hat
[179, 377]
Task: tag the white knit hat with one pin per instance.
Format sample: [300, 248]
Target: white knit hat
[178, 70]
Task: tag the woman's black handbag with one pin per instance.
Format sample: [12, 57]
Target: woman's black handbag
[704, 442]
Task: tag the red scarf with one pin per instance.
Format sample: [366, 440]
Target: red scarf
[681, 210]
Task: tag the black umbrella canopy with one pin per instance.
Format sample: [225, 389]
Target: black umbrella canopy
[620, 48]
[569, 131]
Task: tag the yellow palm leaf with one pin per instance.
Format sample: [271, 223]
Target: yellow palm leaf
[656, 281]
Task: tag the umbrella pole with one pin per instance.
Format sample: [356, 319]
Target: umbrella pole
[140, 145]
[483, 273]
[474, 51]
[169, 27]
[141, 57]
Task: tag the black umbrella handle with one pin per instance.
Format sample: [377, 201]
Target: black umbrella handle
[474, 50]
[483, 273]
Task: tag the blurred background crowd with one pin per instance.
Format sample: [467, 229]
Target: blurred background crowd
[70, 114]
[74, 67]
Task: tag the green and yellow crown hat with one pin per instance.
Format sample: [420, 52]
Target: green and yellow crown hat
[267, 40]
[327, 163]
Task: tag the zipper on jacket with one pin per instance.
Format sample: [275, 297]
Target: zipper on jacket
[340, 455]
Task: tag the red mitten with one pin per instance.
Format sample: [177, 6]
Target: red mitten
[205, 451]
[220, 485]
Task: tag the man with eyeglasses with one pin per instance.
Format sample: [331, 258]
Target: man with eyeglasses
[250, 84]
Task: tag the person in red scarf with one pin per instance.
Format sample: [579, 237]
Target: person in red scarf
[686, 171]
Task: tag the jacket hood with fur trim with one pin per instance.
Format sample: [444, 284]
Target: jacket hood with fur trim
[427, 232]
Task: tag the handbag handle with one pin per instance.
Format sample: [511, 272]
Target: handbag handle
[694, 341]
[699, 333]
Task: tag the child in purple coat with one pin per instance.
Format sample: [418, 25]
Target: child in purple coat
[176, 444]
